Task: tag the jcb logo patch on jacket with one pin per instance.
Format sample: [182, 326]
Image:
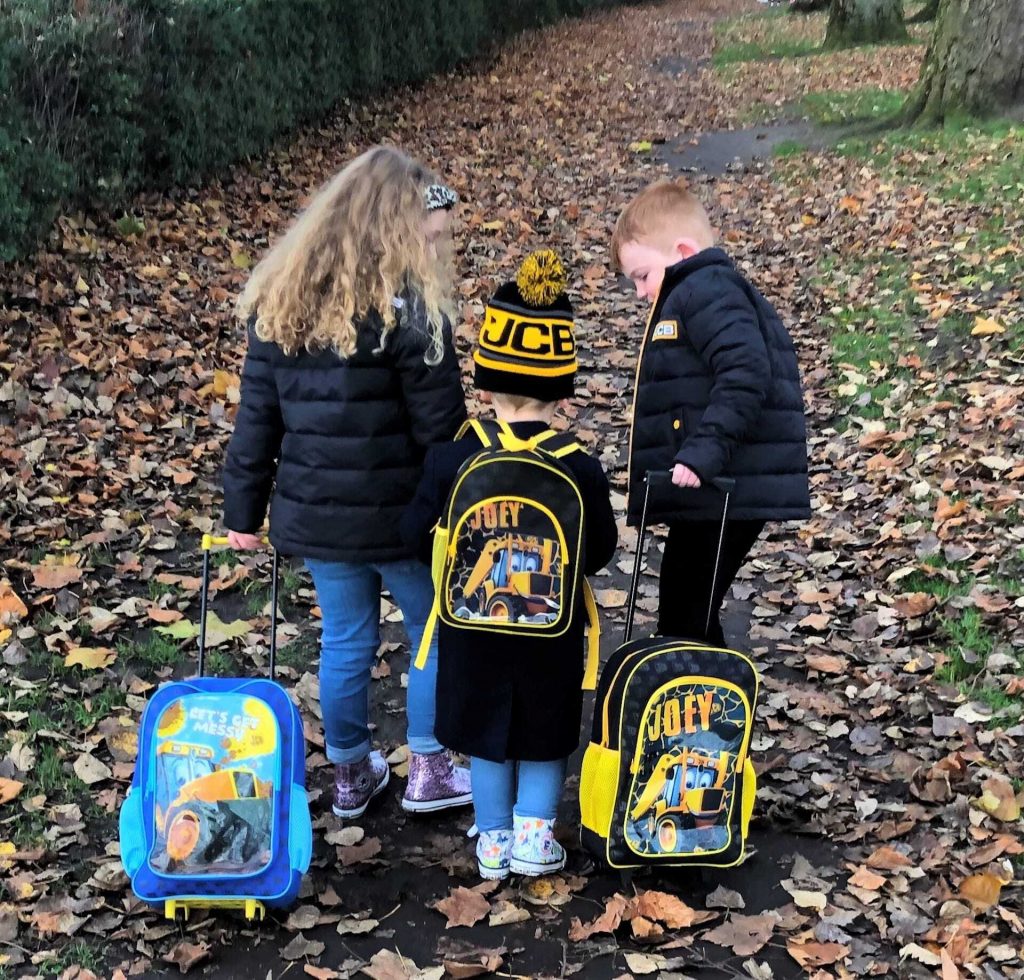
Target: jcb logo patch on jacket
[666, 330]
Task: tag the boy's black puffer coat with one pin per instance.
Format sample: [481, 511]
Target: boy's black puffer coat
[339, 441]
[718, 389]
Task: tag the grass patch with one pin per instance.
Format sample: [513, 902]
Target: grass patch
[731, 54]
[967, 161]
[788, 148]
[300, 653]
[93, 709]
[219, 662]
[862, 105]
[768, 34]
[969, 644]
[154, 651]
[77, 953]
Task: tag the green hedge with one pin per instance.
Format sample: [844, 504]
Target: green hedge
[99, 98]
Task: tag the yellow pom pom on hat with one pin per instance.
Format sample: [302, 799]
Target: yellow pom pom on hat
[527, 345]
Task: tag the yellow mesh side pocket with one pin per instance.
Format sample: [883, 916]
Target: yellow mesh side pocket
[437, 555]
[749, 792]
[599, 783]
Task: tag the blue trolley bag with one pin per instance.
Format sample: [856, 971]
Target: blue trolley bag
[217, 816]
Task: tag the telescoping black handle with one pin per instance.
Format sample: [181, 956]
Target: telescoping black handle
[663, 478]
[208, 542]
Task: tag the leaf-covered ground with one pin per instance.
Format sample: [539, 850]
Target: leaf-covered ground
[888, 627]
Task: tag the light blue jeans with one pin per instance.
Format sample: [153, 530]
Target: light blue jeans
[531, 789]
[349, 596]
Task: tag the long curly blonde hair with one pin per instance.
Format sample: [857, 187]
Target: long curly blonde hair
[358, 246]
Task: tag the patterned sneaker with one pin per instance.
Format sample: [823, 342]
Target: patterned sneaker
[535, 850]
[492, 850]
[356, 783]
[435, 783]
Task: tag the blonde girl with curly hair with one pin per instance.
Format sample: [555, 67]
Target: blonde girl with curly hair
[350, 375]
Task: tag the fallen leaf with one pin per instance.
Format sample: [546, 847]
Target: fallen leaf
[506, 913]
[666, 908]
[321, 972]
[217, 631]
[863, 878]
[921, 954]
[355, 926]
[54, 576]
[386, 964]
[816, 954]
[827, 663]
[463, 907]
[744, 934]
[483, 962]
[357, 853]
[724, 898]
[90, 770]
[608, 921]
[301, 947]
[9, 789]
[345, 837]
[186, 955]
[610, 598]
[11, 607]
[304, 917]
[981, 890]
[998, 799]
[985, 326]
[643, 964]
[91, 658]
[888, 859]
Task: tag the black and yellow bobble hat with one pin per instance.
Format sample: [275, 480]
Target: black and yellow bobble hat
[526, 345]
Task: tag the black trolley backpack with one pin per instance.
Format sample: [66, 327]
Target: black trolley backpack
[667, 779]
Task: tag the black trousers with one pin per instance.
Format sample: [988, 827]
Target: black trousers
[687, 569]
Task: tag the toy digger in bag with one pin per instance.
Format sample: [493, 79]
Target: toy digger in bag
[217, 815]
[667, 778]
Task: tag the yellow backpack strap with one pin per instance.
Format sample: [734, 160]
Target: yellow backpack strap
[572, 447]
[557, 444]
[428, 632]
[482, 430]
[593, 639]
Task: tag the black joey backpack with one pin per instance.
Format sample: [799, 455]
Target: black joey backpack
[667, 779]
[508, 549]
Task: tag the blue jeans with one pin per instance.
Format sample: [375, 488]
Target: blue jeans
[349, 595]
[532, 789]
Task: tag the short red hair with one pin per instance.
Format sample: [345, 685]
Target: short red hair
[666, 209]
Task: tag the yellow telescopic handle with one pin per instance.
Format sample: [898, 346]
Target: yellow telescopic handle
[214, 541]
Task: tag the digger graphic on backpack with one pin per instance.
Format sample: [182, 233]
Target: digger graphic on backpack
[516, 577]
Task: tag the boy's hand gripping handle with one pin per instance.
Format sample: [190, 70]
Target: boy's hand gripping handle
[210, 541]
[725, 485]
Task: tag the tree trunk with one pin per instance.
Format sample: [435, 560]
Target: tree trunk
[864, 22]
[974, 64]
[926, 13]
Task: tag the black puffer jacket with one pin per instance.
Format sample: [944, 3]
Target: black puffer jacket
[340, 441]
[718, 389]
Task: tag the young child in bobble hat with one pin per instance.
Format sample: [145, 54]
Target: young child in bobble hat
[512, 701]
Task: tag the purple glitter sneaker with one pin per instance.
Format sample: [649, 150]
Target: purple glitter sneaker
[435, 783]
[356, 783]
